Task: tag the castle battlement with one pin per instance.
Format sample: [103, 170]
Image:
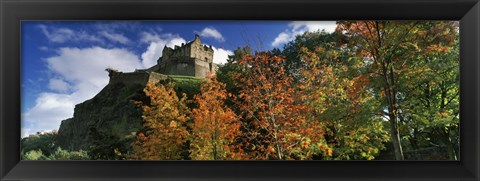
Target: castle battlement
[137, 77]
[190, 59]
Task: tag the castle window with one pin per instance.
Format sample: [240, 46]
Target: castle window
[210, 65]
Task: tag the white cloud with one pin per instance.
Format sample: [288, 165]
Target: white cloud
[61, 35]
[84, 69]
[175, 41]
[43, 48]
[117, 25]
[49, 110]
[327, 26]
[88, 65]
[26, 132]
[148, 37]
[154, 51]
[115, 37]
[210, 32]
[220, 55]
[58, 85]
[281, 39]
[157, 43]
[299, 27]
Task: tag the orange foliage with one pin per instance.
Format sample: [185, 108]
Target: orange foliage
[215, 126]
[163, 133]
[275, 122]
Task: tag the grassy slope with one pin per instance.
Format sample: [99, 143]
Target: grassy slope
[187, 84]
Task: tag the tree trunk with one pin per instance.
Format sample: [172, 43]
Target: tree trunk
[388, 75]
[450, 149]
[395, 136]
[446, 134]
[391, 93]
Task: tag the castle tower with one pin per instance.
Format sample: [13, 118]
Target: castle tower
[191, 59]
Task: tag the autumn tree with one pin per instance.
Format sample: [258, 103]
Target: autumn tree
[430, 103]
[275, 126]
[389, 47]
[336, 91]
[215, 126]
[164, 130]
[226, 73]
[294, 60]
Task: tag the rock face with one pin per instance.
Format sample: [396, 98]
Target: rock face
[106, 124]
[111, 112]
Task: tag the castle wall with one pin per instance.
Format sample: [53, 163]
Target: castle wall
[137, 78]
[181, 51]
[156, 77]
[201, 52]
[201, 68]
[130, 78]
[191, 59]
[178, 66]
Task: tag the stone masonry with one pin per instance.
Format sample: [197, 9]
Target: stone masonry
[190, 59]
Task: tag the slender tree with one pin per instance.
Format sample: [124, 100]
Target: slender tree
[275, 124]
[390, 46]
[336, 91]
[164, 132]
[431, 101]
[215, 126]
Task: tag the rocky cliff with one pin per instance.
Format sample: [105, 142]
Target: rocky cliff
[106, 124]
[111, 113]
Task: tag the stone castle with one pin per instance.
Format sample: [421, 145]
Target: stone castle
[112, 115]
[190, 59]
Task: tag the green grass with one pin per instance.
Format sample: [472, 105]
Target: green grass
[184, 77]
[187, 84]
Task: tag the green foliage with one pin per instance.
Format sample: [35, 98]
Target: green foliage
[61, 154]
[227, 72]
[58, 154]
[186, 84]
[398, 54]
[41, 146]
[226, 75]
[431, 103]
[109, 146]
[310, 41]
[359, 141]
[42, 142]
[34, 155]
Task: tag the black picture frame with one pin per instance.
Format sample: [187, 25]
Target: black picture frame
[14, 11]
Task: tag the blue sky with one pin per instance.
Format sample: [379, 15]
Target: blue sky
[63, 62]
